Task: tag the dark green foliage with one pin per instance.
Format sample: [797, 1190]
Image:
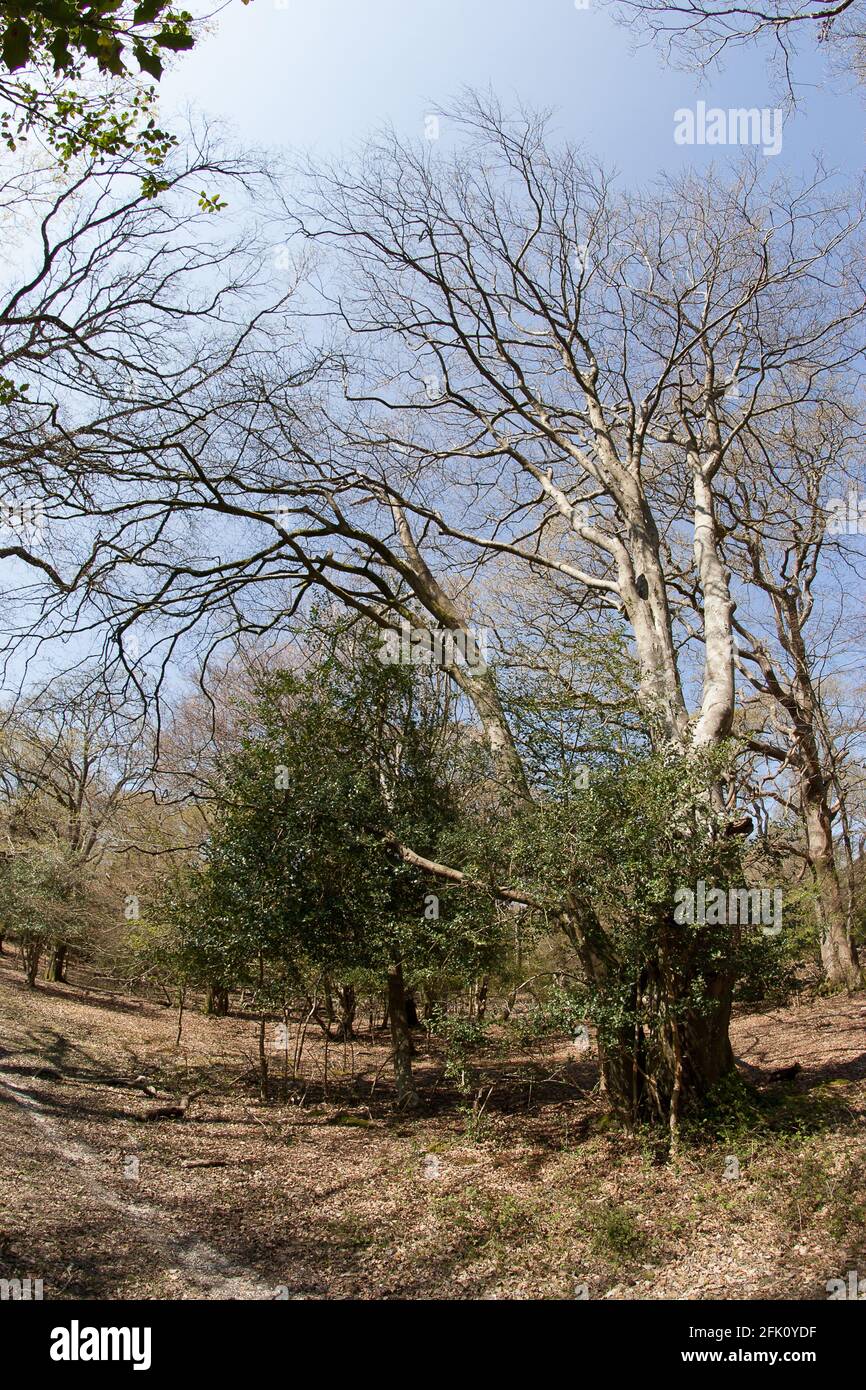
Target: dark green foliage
[737, 1112]
[339, 765]
[52, 50]
[768, 966]
[106, 31]
[609, 860]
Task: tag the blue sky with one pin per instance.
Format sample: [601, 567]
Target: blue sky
[322, 73]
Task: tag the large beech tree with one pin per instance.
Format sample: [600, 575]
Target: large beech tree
[514, 363]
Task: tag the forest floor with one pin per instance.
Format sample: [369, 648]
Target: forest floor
[539, 1196]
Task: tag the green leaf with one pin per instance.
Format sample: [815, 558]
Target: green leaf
[110, 55]
[147, 11]
[59, 50]
[147, 61]
[16, 44]
[60, 13]
[175, 41]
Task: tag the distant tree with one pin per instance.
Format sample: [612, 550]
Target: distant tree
[795, 571]
[45, 901]
[71, 756]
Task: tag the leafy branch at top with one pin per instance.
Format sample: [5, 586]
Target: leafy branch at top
[65, 32]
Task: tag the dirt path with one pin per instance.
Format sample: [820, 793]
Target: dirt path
[205, 1272]
[544, 1196]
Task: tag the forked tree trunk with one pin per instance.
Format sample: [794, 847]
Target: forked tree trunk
[657, 1075]
[401, 1039]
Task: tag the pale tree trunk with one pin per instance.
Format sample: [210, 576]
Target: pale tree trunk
[644, 592]
[800, 701]
[401, 1040]
[717, 695]
[838, 954]
[808, 745]
[656, 1077]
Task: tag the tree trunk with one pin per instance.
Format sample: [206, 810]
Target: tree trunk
[264, 1087]
[838, 953]
[401, 1039]
[56, 968]
[659, 1080]
[347, 1004]
[811, 755]
[31, 953]
[412, 1018]
[481, 997]
[665, 1060]
[181, 1002]
[216, 1001]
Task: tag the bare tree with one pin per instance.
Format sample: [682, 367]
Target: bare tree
[71, 757]
[699, 33]
[587, 365]
[510, 360]
[116, 325]
[791, 639]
